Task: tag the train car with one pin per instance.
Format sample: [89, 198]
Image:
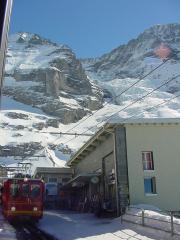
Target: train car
[23, 198]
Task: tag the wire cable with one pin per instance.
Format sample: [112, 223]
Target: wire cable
[111, 100]
[137, 100]
[155, 106]
[141, 98]
[135, 83]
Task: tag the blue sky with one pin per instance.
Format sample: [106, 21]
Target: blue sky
[92, 27]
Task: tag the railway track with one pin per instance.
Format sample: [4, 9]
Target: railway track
[30, 231]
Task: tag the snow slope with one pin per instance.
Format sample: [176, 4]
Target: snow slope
[122, 67]
[24, 55]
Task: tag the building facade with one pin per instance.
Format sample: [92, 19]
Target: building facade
[53, 174]
[136, 162]
[94, 168]
[54, 178]
[3, 173]
[153, 153]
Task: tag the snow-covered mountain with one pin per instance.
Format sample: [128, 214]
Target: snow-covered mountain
[134, 59]
[47, 89]
[49, 76]
[123, 66]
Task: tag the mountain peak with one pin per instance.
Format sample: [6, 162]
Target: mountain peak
[30, 38]
[165, 32]
[164, 27]
[126, 60]
[48, 70]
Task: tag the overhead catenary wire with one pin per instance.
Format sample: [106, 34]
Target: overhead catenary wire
[55, 133]
[66, 133]
[131, 86]
[155, 106]
[144, 96]
[115, 97]
[126, 107]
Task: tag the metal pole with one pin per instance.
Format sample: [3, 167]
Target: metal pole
[103, 178]
[143, 217]
[116, 178]
[121, 216]
[172, 224]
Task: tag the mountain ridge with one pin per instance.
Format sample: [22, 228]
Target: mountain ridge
[125, 54]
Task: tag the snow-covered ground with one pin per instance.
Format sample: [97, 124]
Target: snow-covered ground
[66, 225]
[6, 230]
[75, 226]
[153, 217]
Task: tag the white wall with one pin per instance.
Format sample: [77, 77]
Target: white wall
[164, 141]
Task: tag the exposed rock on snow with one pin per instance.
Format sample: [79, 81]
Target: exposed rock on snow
[38, 71]
[44, 78]
[122, 67]
[15, 115]
[132, 60]
[21, 150]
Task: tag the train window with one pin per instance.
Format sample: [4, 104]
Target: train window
[14, 190]
[35, 190]
[25, 189]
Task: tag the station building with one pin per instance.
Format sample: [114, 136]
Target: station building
[53, 174]
[131, 162]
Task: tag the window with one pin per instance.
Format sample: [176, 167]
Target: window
[150, 185]
[52, 179]
[51, 189]
[147, 159]
[35, 190]
[14, 190]
[25, 190]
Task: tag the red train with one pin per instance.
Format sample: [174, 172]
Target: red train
[22, 198]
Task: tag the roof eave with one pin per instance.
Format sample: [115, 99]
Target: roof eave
[108, 127]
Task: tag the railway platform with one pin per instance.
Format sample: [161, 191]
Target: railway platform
[7, 232]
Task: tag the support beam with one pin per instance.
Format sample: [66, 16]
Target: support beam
[90, 149]
[102, 138]
[121, 168]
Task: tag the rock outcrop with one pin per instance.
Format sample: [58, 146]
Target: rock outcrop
[131, 60]
[49, 76]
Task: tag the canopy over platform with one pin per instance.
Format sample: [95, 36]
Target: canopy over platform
[82, 179]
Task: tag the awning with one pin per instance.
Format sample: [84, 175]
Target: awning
[82, 179]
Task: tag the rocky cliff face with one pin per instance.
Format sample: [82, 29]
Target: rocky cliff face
[49, 76]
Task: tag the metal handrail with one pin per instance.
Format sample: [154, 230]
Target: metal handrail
[143, 217]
